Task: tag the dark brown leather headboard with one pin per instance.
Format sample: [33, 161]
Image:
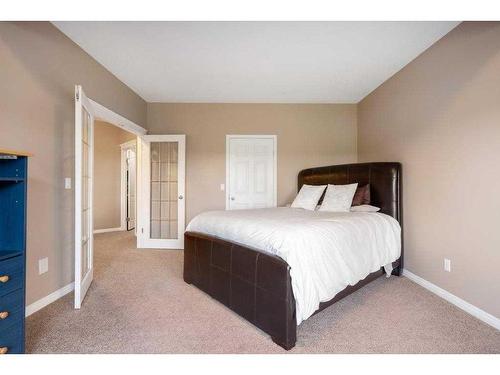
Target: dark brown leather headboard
[384, 179]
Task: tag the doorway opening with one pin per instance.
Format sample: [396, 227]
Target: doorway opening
[113, 178]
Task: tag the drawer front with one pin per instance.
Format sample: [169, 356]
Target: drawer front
[11, 309]
[11, 275]
[12, 340]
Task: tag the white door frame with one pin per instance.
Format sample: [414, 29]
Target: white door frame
[98, 112]
[275, 162]
[107, 115]
[130, 145]
[143, 191]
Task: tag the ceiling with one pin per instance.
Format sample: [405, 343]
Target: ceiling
[254, 62]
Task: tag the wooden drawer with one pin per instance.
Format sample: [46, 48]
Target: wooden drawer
[11, 309]
[12, 340]
[13, 270]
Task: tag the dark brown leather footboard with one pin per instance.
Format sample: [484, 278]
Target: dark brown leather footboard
[257, 285]
[253, 284]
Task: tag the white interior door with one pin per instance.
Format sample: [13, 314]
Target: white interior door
[160, 191]
[131, 188]
[84, 240]
[250, 172]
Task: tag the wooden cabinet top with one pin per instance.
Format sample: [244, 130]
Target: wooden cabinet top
[4, 151]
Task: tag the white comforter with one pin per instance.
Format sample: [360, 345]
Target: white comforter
[326, 251]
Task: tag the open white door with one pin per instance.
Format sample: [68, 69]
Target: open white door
[84, 240]
[131, 188]
[160, 191]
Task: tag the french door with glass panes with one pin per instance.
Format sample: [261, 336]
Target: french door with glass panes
[84, 240]
[160, 191]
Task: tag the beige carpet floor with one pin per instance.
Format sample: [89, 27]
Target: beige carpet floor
[138, 303]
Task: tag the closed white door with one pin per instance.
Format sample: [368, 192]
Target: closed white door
[251, 172]
[160, 191]
[84, 240]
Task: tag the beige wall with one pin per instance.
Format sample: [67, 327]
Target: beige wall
[107, 174]
[440, 116]
[38, 70]
[308, 135]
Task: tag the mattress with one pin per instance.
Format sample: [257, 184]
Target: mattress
[326, 251]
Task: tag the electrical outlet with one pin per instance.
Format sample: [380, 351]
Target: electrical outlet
[43, 265]
[447, 265]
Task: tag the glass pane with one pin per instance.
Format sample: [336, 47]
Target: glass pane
[173, 210]
[85, 226]
[155, 171]
[164, 152]
[85, 160]
[84, 264]
[155, 210]
[164, 190]
[164, 225]
[155, 152]
[165, 214]
[155, 229]
[155, 191]
[85, 125]
[173, 191]
[173, 152]
[173, 172]
[164, 171]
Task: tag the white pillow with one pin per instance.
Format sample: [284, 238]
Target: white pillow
[365, 208]
[308, 197]
[338, 198]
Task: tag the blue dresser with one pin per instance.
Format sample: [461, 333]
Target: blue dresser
[13, 179]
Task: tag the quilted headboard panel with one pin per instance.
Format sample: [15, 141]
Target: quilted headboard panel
[384, 179]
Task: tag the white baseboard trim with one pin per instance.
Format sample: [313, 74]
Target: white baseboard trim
[460, 303]
[47, 300]
[108, 230]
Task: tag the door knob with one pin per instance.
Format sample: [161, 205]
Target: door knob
[181, 197]
[232, 198]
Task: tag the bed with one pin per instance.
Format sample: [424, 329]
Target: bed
[259, 279]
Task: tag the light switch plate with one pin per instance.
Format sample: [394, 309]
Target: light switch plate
[222, 187]
[447, 265]
[43, 265]
[67, 183]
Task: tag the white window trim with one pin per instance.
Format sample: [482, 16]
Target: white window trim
[275, 161]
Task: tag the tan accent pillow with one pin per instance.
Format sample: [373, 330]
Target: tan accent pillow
[361, 196]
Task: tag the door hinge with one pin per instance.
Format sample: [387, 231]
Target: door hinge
[142, 230]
